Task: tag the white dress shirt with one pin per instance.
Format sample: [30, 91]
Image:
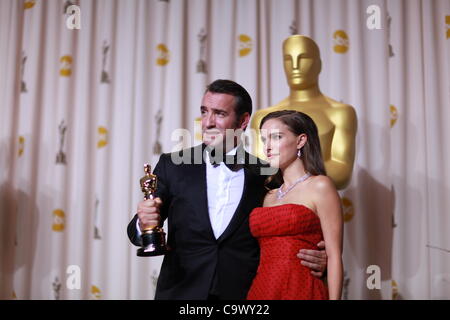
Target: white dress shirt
[224, 191]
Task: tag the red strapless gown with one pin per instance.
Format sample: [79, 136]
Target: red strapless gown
[281, 232]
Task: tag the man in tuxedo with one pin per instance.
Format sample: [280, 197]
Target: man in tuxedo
[207, 203]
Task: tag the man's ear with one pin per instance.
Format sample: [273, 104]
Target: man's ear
[244, 120]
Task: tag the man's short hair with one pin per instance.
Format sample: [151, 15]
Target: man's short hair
[243, 100]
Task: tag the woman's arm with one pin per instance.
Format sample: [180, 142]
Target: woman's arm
[329, 210]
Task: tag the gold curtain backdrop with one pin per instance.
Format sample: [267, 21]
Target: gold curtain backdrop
[84, 103]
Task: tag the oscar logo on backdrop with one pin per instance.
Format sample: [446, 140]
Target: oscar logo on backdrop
[21, 145]
[163, 55]
[335, 121]
[157, 148]
[293, 28]
[394, 114]
[348, 209]
[341, 42]
[105, 76]
[61, 156]
[67, 4]
[389, 21]
[29, 4]
[447, 22]
[245, 45]
[201, 64]
[66, 66]
[23, 85]
[96, 221]
[59, 220]
[56, 288]
[96, 293]
[345, 285]
[103, 137]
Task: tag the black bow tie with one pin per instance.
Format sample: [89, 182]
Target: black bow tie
[233, 162]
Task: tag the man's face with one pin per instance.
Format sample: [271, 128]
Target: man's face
[218, 114]
[301, 63]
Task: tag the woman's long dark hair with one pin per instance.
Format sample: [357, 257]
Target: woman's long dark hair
[299, 123]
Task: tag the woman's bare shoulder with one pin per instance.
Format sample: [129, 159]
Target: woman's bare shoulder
[322, 183]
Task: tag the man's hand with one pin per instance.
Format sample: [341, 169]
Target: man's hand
[148, 213]
[316, 260]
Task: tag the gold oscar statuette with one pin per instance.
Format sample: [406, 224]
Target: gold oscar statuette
[153, 237]
[336, 121]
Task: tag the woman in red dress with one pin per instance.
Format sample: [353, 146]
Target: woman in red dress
[303, 211]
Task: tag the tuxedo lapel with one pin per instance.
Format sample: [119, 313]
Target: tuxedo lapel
[196, 175]
[244, 207]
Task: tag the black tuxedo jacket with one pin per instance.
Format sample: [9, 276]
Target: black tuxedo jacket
[199, 264]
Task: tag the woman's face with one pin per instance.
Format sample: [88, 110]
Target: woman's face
[280, 144]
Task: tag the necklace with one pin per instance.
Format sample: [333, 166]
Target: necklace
[281, 193]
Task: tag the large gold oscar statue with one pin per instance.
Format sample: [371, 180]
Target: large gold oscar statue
[336, 121]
